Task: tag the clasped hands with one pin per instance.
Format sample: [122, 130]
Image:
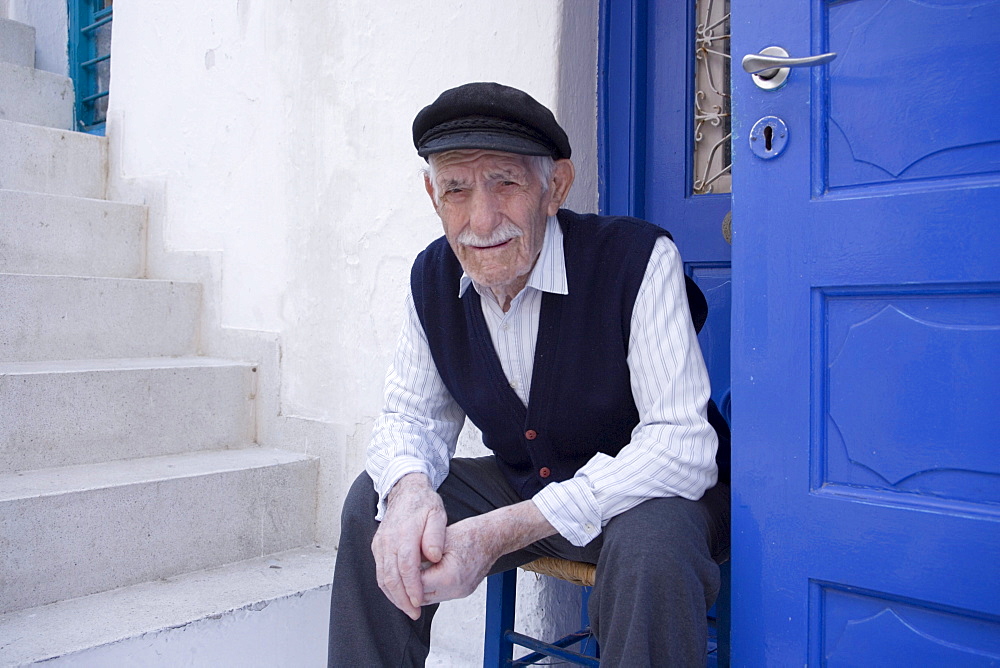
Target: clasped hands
[420, 560]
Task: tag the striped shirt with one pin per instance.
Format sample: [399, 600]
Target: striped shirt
[672, 450]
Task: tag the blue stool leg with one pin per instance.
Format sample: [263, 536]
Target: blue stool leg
[500, 593]
[588, 647]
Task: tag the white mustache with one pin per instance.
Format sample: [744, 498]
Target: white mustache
[505, 232]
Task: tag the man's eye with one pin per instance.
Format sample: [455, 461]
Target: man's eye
[508, 184]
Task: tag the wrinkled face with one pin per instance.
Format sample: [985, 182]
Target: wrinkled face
[494, 210]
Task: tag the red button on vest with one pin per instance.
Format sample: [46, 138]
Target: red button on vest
[531, 434]
[544, 472]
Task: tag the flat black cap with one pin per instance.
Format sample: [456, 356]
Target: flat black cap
[488, 116]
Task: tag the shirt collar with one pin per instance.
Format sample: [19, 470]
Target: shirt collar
[549, 272]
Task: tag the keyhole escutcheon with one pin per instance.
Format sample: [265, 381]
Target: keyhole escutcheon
[768, 137]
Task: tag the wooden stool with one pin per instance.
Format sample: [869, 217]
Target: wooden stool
[501, 590]
[576, 572]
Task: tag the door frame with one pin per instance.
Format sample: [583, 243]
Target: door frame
[621, 107]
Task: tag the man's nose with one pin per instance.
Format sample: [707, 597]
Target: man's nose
[484, 214]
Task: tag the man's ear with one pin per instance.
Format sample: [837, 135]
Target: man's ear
[429, 187]
[562, 181]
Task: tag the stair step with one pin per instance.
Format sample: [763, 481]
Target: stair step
[121, 523]
[183, 603]
[35, 96]
[73, 317]
[17, 43]
[53, 234]
[66, 413]
[58, 162]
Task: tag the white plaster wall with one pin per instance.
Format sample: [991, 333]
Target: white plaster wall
[282, 131]
[50, 20]
[271, 139]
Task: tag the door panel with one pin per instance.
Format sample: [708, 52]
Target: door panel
[869, 338]
[866, 338]
[866, 628]
[939, 107]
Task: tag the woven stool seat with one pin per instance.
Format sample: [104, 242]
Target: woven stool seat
[577, 572]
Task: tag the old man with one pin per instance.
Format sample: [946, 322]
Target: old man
[568, 340]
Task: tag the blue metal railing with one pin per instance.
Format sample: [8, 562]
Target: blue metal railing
[90, 61]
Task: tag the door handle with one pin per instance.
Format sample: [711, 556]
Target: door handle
[770, 67]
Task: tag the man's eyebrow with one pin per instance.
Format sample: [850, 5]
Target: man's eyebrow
[511, 174]
[449, 183]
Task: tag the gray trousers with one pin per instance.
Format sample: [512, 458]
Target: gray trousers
[657, 575]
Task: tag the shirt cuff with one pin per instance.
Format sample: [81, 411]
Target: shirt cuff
[396, 469]
[572, 510]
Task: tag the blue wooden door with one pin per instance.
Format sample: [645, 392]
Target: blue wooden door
[866, 337]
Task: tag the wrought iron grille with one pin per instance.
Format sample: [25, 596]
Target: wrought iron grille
[712, 124]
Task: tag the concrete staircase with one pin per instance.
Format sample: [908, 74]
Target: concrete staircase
[133, 497]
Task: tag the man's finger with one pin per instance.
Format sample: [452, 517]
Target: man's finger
[431, 579]
[440, 582]
[408, 566]
[395, 590]
[387, 574]
[432, 540]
